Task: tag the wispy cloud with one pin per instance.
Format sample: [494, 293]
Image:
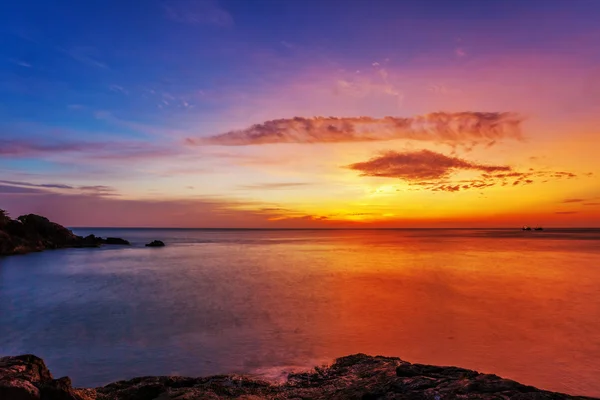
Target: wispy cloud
[207, 12]
[275, 186]
[73, 209]
[28, 187]
[118, 89]
[20, 63]
[452, 128]
[94, 150]
[85, 55]
[41, 185]
[573, 200]
[9, 189]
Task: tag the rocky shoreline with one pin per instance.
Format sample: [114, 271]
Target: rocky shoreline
[31, 233]
[358, 376]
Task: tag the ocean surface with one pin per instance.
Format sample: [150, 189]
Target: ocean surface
[522, 305]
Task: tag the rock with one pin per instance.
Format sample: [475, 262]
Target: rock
[112, 240]
[18, 389]
[353, 377]
[32, 232]
[26, 377]
[89, 241]
[155, 243]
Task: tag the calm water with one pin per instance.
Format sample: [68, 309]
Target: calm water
[524, 305]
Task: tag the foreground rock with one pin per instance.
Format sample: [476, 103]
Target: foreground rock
[155, 243]
[27, 378]
[353, 377]
[31, 232]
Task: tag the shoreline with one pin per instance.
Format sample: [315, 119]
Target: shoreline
[357, 376]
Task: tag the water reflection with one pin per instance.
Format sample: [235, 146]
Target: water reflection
[243, 301]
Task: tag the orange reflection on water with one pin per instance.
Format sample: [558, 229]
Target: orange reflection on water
[522, 309]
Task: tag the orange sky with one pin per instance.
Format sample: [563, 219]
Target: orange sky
[452, 132]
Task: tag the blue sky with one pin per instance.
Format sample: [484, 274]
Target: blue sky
[92, 92]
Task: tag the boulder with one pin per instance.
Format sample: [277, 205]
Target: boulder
[155, 243]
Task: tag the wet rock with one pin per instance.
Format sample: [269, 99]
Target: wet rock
[155, 243]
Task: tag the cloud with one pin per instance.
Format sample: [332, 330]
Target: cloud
[573, 200]
[566, 212]
[100, 190]
[418, 165]
[30, 188]
[41, 185]
[207, 12]
[8, 189]
[270, 186]
[73, 209]
[20, 63]
[452, 128]
[25, 148]
[429, 170]
[117, 89]
[16, 148]
[84, 55]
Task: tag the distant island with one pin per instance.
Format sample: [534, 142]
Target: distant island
[357, 376]
[30, 233]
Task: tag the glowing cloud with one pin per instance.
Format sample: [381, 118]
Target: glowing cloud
[429, 170]
[452, 128]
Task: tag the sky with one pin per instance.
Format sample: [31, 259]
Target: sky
[301, 114]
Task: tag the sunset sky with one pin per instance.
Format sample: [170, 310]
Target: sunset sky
[301, 113]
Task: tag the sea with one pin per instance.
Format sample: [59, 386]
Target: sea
[524, 305]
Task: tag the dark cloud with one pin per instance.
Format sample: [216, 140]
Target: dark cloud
[428, 170]
[566, 212]
[17, 148]
[33, 188]
[464, 128]
[277, 185]
[418, 166]
[41, 185]
[573, 200]
[591, 204]
[100, 190]
[24, 148]
[7, 189]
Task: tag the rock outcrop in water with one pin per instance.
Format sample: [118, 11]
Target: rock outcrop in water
[155, 243]
[359, 377]
[31, 232]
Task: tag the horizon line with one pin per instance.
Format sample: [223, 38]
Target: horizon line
[324, 228]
